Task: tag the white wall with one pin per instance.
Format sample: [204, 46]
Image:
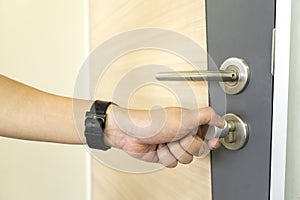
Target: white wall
[43, 43]
[292, 191]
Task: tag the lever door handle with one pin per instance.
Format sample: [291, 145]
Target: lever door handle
[221, 75]
[234, 72]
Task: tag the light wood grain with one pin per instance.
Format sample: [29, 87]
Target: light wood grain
[109, 18]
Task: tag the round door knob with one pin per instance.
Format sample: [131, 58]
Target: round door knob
[234, 135]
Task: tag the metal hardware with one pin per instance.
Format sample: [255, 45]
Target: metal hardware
[93, 115]
[197, 76]
[238, 133]
[230, 138]
[233, 75]
[241, 68]
[273, 51]
[234, 135]
[216, 132]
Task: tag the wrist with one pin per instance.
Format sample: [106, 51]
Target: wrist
[113, 136]
[109, 118]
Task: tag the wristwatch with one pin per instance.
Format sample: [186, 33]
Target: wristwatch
[95, 124]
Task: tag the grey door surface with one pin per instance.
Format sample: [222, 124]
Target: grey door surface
[243, 28]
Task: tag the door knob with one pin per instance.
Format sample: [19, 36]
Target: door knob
[233, 75]
[234, 135]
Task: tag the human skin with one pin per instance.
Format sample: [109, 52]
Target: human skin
[167, 136]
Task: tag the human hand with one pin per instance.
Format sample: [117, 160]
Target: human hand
[166, 136]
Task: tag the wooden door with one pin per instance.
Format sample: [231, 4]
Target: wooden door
[109, 18]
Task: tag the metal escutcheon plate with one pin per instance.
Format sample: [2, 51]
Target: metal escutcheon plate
[239, 66]
[241, 132]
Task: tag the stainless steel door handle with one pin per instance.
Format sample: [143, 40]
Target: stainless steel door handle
[234, 135]
[198, 76]
[233, 75]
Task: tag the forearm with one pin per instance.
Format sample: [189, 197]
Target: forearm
[31, 114]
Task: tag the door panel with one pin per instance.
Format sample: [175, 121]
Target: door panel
[243, 28]
[185, 17]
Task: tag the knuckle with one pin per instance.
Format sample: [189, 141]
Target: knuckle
[165, 158]
[210, 111]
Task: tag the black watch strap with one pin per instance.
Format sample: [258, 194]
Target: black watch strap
[95, 124]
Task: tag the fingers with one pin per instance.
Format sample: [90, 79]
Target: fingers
[166, 158]
[169, 155]
[191, 144]
[214, 143]
[179, 153]
[195, 146]
[208, 116]
[182, 151]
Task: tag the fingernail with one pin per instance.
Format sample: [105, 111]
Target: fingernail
[221, 121]
[214, 143]
[204, 150]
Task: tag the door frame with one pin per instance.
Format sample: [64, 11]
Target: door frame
[280, 99]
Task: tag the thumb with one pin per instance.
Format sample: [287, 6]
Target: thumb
[207, 116]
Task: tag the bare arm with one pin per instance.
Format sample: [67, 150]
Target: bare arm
[167, 136]
[31, 114]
